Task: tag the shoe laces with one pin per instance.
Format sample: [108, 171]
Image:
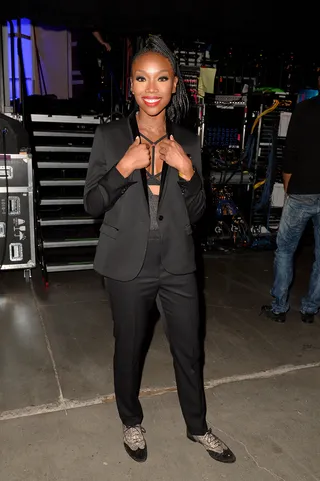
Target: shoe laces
[135, 433]
[213, 441]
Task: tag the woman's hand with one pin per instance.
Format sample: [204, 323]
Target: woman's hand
[173, 154]
[137, 157]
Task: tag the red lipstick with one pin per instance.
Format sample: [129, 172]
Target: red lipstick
[151, 101]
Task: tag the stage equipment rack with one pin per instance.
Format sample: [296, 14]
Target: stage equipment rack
[273, 113]
[228, 181]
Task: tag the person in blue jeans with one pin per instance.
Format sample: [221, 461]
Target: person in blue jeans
[302, 203]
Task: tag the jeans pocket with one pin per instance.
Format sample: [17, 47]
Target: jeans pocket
[304, 199]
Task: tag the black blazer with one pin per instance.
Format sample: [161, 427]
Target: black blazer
[124, 202]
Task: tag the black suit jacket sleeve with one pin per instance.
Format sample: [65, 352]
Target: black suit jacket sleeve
[104, 184]
[193, 190]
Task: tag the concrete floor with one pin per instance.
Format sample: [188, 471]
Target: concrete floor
[58, 420]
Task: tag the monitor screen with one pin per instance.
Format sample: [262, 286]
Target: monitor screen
[306, 94]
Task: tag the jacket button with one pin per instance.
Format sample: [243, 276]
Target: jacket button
[124, 190]
[160, 217]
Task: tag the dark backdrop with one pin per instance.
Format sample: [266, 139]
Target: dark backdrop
[244, 22]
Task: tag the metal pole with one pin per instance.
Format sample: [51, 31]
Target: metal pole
[2, 73]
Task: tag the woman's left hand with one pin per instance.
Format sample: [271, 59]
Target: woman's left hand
[173, 154]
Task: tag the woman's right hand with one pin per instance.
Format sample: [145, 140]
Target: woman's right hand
[137, 157]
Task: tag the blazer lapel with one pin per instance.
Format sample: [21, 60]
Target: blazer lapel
[165, 167]
[133, 125]
[135, 133]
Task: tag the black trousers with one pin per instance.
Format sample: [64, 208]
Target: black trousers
[131, 303]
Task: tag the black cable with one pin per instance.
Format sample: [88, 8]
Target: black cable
[42, 80]
[13, 68]
[233, 174]
[4, 133]
[23, 80]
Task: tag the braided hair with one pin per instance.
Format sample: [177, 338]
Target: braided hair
[179, 105]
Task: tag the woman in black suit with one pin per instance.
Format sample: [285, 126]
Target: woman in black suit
[145, 177]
